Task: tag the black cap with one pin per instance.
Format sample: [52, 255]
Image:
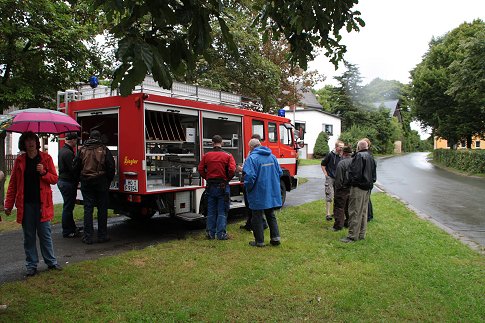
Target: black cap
[347, 150]
[95, 134]
[71, 135]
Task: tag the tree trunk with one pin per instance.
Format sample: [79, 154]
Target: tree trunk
[469, 141]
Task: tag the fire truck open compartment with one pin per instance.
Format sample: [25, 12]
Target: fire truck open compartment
[172, 151]
[106, 121]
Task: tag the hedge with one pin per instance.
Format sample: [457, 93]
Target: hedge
[470, 161]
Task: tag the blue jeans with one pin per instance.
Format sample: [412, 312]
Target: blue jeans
[69, 191]
[217, 209]
[257, 222]
[31, 226]
[95, 193]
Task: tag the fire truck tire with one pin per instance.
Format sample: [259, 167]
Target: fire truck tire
[141, 214]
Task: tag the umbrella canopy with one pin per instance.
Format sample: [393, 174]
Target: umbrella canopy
[40, 120]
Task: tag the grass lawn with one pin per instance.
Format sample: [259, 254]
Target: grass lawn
[405, 270]
[305, 162]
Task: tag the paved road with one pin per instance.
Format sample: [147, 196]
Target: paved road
[454, 201]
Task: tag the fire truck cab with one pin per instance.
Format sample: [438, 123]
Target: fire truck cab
[158, 136]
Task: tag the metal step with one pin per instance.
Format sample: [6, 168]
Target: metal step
[237, 204]
[190, 216]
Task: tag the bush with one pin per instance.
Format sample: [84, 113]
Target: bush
[321, 146]
[469, 161]
[356, 132]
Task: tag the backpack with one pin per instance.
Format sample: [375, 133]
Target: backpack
[93, 161]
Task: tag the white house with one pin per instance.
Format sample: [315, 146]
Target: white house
[312, 119]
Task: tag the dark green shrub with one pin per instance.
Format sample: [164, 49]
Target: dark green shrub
[465, 160]
[321, 146]
[357, 132]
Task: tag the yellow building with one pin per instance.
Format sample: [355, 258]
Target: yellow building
[477, 143]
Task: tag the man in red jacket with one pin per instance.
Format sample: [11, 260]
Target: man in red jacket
[30, 190]
[217, 167]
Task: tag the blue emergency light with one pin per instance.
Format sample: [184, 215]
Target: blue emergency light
[93, 82]
[281, 112]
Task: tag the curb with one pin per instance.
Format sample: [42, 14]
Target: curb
[466, 241]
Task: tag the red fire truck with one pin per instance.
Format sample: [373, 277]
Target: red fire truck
[157, 137]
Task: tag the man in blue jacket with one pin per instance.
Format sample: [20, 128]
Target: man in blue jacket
[262, 183]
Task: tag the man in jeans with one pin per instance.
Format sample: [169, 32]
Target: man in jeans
[217, 167]
[96, 166]
[68, 186]
[342, 191]
[262, 184]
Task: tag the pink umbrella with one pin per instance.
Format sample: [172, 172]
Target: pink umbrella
[40, 120]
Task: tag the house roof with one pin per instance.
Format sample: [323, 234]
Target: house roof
[390, 105]
[308, 100]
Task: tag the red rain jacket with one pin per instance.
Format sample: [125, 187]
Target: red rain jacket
[15, 192]
[217, 164]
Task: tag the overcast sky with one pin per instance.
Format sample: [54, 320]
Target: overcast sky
[397, 34]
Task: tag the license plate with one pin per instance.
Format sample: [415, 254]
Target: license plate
[131, 185]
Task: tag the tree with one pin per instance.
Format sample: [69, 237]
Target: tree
[246, 72]
[356, 132]
[447, 86]
[45, 46]
[165, 38]
[381, 90]
[348, 97]
[321, 145]
[327, 97]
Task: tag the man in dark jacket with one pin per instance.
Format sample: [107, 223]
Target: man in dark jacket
[67, 184]
[342, 190]
[329, 166]
[262, 184]
[96, 167]
[362, 175]
[217, 167]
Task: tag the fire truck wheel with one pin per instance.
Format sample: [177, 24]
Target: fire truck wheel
[141, 214]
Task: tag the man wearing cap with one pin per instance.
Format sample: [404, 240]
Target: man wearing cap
[68, 186]
[342, 190]
[96, 167]
[217, 167]
[329, 166]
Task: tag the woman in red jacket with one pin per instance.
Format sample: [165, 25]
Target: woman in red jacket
[30, 190]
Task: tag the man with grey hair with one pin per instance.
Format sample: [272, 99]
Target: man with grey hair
[262, 184]
[362, 176]
[247, 226]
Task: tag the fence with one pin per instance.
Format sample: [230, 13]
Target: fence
[9, 159]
